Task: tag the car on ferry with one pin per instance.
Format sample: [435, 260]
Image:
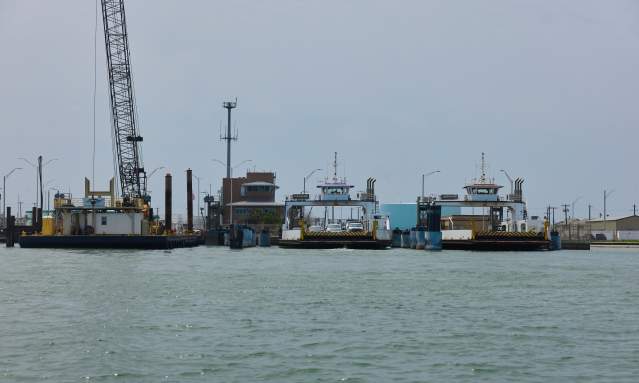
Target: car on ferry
[334, 228]
[354, 226]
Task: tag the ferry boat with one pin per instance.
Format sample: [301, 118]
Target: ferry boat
[365, 227]
[502, 225]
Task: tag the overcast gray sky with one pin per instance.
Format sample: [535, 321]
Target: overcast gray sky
[547, 89]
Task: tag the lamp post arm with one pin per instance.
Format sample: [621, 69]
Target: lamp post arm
[424, 178]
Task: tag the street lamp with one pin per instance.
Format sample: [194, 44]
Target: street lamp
[55, 189]
[606, 195]
[424, 178]
[512, 187]
[153, 172]
[572, 205]
[198, 191]
[4, 190]
[43, 165]
[307, 177]
[231, 187]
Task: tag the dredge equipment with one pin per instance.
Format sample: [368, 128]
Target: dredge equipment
[126, 133]
[100, 219]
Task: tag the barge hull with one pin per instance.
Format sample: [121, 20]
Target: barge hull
[496, 245]
[143, 242]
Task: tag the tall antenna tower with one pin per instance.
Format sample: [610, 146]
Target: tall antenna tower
[229, 105]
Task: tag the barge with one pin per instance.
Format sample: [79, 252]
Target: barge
[102, 221]
[113, 241]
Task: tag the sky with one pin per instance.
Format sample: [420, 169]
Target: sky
[548, 90]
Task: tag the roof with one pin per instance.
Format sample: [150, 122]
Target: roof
[608, 219]
[255, 204]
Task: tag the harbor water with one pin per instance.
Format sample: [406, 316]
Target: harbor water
[272, 315]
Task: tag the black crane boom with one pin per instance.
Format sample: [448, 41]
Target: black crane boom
[123, 113]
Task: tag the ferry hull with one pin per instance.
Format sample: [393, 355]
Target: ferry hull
[336, 244]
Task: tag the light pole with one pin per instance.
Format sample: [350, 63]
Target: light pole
[153, 172]
[606, 195]
[572, 205]
[424, 178]
[512, 186]
[46, 185]
[57, 190]
[231, 168]
[307, 177]
[4, 190]
[148, 177]
[198, 191]
[39, 168]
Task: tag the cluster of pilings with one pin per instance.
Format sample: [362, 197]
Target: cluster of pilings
[12, 231]
[240, 236]
[428, 237]
[168, 202]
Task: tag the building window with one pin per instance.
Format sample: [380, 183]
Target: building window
[241, 211]
[104, 220]
[246, 189]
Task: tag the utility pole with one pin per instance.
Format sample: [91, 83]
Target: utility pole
[589, 212]
[229, 106]
[566, 212]
[40, 182]
[634, 209]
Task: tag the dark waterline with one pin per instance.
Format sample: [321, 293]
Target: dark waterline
[211, 314]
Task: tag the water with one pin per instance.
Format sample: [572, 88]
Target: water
[210, 314]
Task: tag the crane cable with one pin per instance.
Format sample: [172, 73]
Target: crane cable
[95, 74]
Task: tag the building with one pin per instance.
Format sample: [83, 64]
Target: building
[252, 200]
[404, 215]
[615, 228]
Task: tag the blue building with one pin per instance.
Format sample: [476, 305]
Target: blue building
[404, 215]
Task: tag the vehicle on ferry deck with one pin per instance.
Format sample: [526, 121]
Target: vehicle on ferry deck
[354, 226]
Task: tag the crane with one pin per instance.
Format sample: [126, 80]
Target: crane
[126, 134]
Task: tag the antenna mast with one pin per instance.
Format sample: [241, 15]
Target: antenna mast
[229, 105]
[483, 168]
